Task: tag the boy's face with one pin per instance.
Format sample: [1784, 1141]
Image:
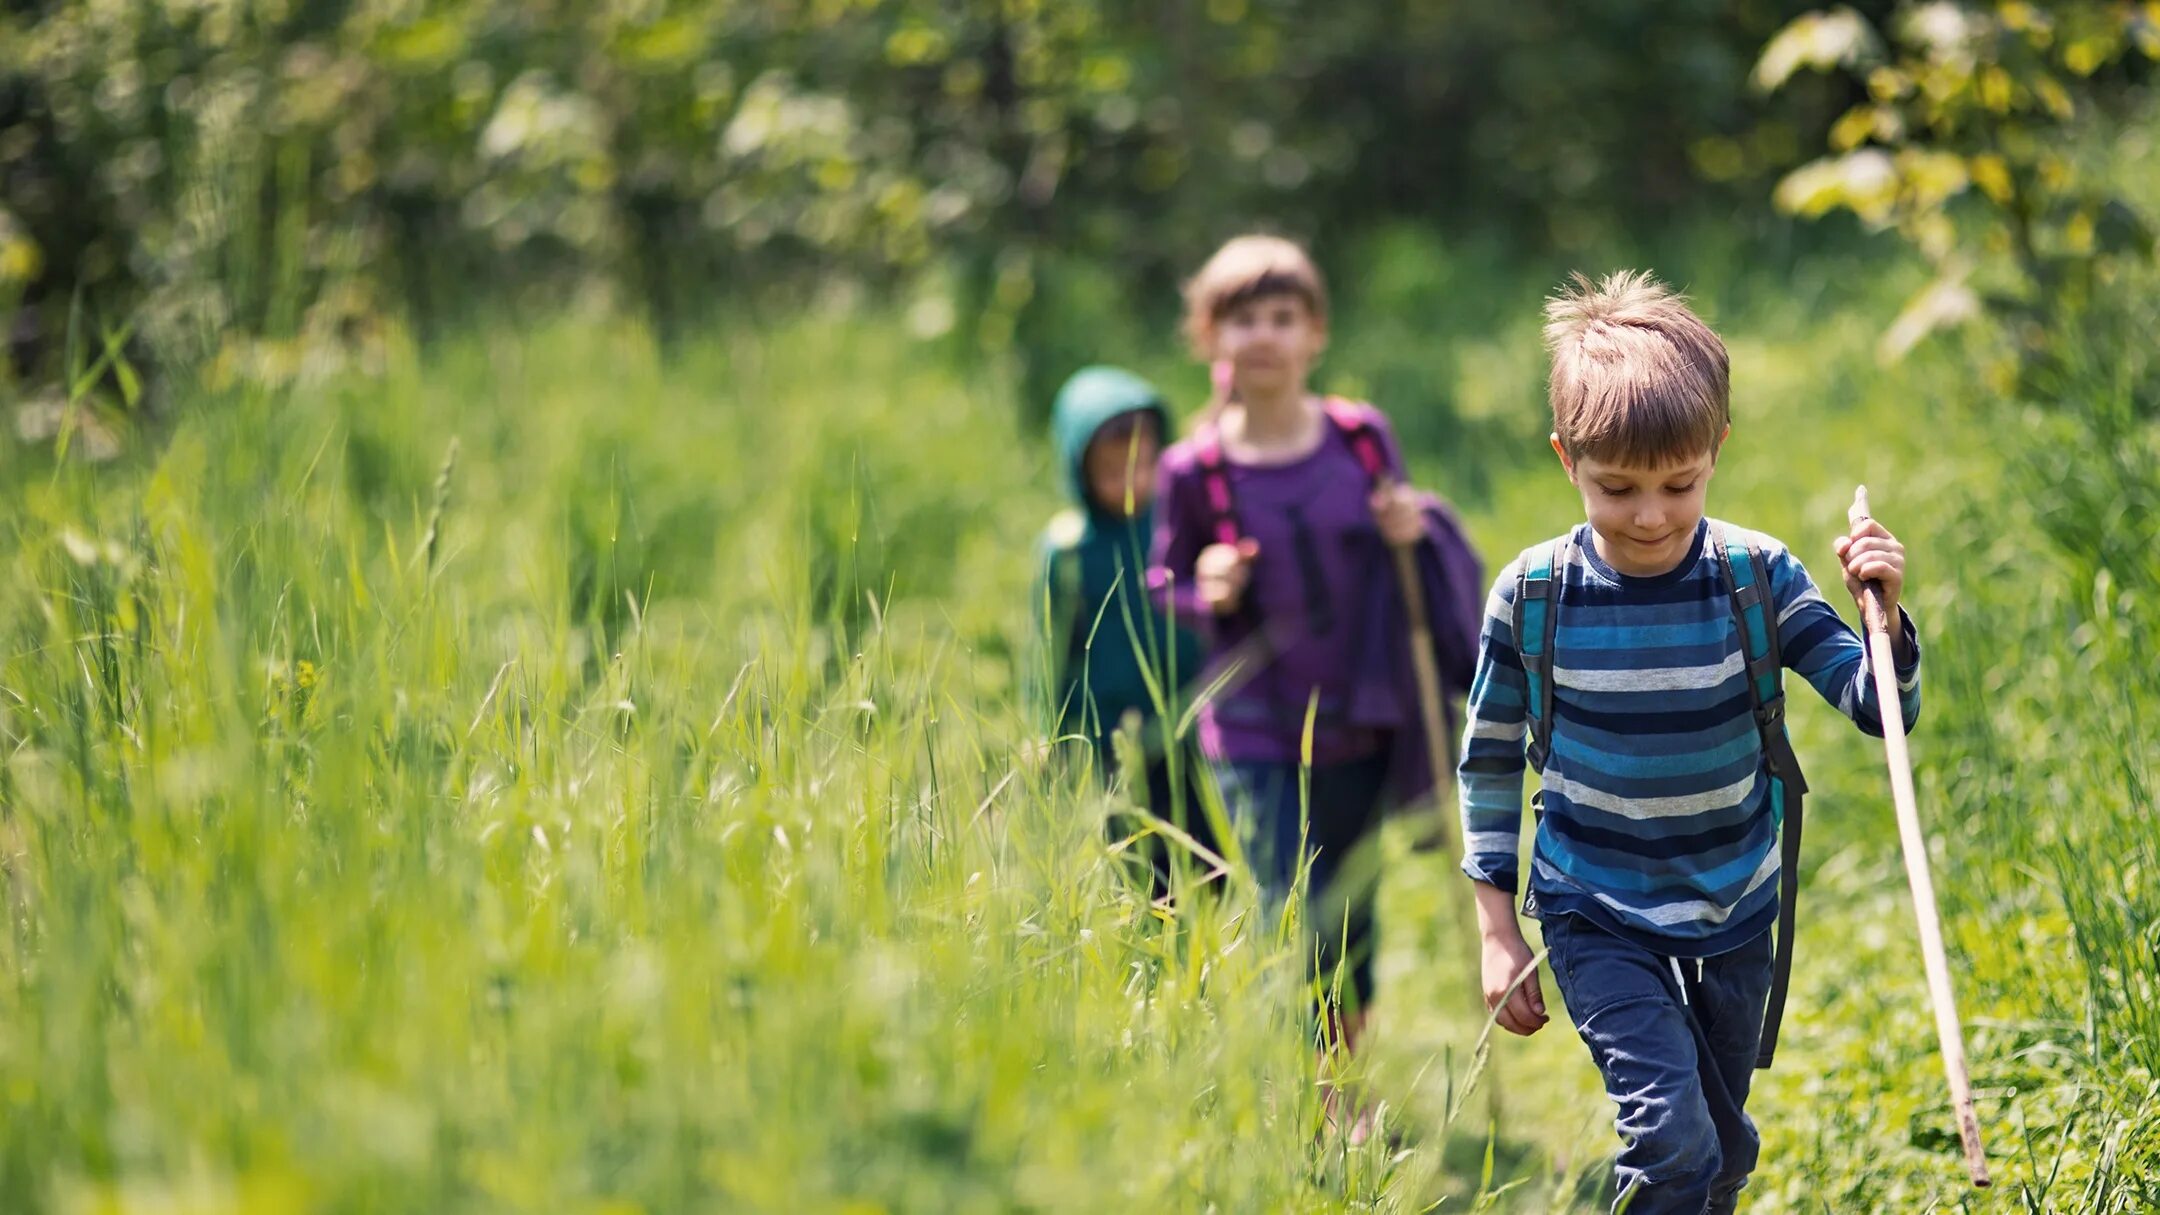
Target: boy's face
[1271, 341]
[1644, 517]
[1120, 464]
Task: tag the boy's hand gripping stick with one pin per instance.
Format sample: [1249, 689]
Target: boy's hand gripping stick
[1947, 1028]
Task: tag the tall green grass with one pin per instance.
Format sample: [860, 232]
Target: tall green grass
[628, 814]
[635, 813]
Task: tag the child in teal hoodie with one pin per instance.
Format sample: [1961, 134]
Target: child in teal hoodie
[1105, 639]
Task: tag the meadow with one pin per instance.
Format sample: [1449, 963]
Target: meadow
[545, 777]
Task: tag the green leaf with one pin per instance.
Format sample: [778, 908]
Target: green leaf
[1865, 182]
[1821, 41]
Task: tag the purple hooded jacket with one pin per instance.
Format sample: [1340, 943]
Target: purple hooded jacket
[1322, 621]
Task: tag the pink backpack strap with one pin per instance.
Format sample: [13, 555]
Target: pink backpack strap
[1355, 423]
[1215, 483]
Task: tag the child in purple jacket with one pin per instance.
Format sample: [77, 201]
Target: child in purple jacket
[1273, 529]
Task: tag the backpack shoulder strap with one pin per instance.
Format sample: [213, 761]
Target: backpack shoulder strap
[1747, 578]
[1355, 423]
[1750, 588]
[1536, 623]
[1215, 483]
[1348, 418]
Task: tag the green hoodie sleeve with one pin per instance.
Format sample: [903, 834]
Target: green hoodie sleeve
[1053, 604]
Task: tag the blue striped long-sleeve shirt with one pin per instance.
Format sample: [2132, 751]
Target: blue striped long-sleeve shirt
[1655, 820]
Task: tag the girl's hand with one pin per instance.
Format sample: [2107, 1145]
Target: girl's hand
[1871, 554]
[1400, 513]
[1221, 573]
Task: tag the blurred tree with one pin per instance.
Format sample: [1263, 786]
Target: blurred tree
[258, 181]
[1964, 145]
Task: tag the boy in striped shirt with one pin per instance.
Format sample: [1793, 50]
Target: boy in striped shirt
[1655, 869]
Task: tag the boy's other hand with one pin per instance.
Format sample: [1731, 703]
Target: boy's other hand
[1521, 1011]
[1221, 573]
[1871, 554]
[1400, 514]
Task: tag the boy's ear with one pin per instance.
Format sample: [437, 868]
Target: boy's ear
[1560, 451]
[1719, 446]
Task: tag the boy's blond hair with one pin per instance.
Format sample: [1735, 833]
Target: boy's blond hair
[1637, 378]
[1248, 268]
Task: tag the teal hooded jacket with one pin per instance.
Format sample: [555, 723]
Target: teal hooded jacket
[1092, 613]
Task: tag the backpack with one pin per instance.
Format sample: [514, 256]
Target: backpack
[1747, 578]
[1351, 422]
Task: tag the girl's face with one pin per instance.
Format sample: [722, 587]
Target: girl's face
[1271, 343]
[1644, 517]
[1120, 464]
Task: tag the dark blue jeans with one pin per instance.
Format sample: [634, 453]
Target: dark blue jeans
[1336, 817]
[1678, 1055]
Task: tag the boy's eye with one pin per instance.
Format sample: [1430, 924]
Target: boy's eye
[1621, 492]
[1679, 489]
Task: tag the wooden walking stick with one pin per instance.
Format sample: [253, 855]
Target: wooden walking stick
[1436, 749]
[1428, 686]
[1947, 1028]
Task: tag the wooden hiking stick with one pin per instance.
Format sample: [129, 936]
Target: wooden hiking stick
[1436, 750]
[1428, 684]
[1948, 1031]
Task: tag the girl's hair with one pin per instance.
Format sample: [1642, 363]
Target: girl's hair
[1248, 268]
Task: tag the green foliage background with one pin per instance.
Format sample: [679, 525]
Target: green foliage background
[662, 837]
[512, 556]
[278, 167]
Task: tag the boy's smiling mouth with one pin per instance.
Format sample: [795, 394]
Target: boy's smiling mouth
[1638, 557]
